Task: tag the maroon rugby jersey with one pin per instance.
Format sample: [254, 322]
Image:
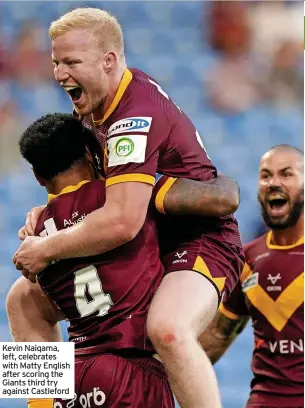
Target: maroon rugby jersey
[146, 134]
[271, 292]
[106, 297]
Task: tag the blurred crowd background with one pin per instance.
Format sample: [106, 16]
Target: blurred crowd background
[235, 67]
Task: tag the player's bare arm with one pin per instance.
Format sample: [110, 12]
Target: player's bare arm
[118, 222]
[32, 315]
[213, 198]
[220, 334]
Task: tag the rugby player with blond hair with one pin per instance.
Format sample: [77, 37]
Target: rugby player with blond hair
[143, 132]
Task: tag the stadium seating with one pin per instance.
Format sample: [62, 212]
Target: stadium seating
[171, 49]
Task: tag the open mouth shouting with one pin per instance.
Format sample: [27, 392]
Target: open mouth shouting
[277, 204]
[75, 93]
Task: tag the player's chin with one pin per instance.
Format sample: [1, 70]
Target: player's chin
[83, 108]
[278, 221]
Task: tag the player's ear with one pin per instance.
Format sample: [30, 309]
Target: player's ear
[89, 156]
[110, 60]
[40, 180]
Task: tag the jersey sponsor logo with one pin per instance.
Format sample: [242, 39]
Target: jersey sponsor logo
[279, 311]
[262, 256]
[286, 346]
[79, 339]
[75, 219]
[95, 398]
[250, 282]
[180, 257]
[123, 150]
[140, 124]
[124, 147]
[273, 280]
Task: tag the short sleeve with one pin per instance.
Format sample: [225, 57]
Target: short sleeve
[235, 305]
[134, 145]
[161, 187]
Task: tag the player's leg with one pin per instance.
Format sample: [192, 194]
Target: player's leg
[31, 314]
[32, 317]
[183, 306]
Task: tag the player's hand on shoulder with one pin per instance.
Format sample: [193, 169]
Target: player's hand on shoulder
[30, 223]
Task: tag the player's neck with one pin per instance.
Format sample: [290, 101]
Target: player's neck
[114, 84]
[289, 236]
[69, 179]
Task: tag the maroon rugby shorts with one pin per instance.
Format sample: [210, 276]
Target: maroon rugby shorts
[113, 381]
[208, 246]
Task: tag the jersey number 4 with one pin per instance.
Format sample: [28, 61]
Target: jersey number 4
[89, 295]
[88, 290]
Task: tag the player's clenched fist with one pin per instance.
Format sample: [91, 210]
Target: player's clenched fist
[30, 258]
[30, 223]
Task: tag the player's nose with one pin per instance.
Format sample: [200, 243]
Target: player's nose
[61, 74]
[275, 181]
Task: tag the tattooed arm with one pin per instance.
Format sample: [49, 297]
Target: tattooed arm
[220, 334]
[212, 198]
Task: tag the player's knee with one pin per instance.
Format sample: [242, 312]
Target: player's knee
[167, 334]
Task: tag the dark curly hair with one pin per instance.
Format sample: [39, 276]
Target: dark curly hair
[57, 142]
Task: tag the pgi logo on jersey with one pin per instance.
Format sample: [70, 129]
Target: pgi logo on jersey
[180, 257]
[140, 124]
[124, 147]
[250, 282]
[123, 150]
[273, 280]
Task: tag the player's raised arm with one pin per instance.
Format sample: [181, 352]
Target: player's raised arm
[212, 198]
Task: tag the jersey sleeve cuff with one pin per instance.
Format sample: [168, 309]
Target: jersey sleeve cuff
[160, 196]
[227, 313]
[142, 178]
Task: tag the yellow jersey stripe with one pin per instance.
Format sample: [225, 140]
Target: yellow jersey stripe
[159, 200]
[281, 247]
[201, 266]
[125, 81]
[68, 189]
[278, 312]
[138, 177]
[245, 273]
[227, 313]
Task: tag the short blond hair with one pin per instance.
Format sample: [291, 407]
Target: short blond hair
[103, 27]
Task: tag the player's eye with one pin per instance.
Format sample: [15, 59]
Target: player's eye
[71, 63]
[55, 63]
[288, 174]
